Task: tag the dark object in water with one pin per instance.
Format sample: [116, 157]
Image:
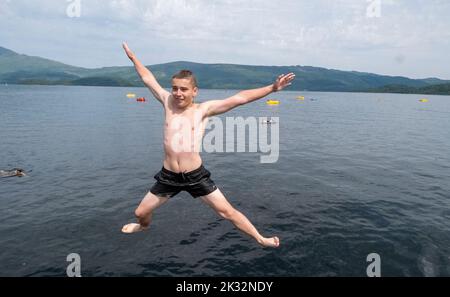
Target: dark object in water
[13, 172]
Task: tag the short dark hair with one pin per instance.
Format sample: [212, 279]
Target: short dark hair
[186, 74]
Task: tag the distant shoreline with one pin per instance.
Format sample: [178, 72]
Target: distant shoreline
[231, 89]
[30, 70]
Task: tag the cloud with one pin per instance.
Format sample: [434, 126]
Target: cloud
[329, 33]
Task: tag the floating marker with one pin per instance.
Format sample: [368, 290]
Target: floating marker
[273, 102]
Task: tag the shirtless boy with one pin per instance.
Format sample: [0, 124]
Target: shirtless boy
[182, 168]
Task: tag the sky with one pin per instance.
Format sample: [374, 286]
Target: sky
[393, 37]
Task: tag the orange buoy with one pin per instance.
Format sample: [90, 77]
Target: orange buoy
[140, 99]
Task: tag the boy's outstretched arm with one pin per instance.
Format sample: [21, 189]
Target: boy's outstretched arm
[147, 77]
[215, 107]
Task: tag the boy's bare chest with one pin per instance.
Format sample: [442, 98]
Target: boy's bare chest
[189, 120]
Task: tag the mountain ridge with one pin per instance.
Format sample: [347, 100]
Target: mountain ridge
[17, 68]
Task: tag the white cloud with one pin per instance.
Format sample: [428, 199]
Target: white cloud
[329, 33]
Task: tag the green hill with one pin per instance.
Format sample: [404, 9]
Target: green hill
[11, 62]
[22, 69]
[440, 89]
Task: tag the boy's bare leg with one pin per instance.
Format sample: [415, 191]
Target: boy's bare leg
[221, 205]
[144, 213]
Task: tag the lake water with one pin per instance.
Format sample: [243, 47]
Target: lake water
[357, 174]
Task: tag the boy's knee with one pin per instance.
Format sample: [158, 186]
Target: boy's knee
[228, 213]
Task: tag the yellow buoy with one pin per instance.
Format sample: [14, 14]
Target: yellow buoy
[424, 100]
[301, 97]
[130, 95]
[273, 102]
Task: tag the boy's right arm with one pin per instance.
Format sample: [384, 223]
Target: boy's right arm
[147, 77]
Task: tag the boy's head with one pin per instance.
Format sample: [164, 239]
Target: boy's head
[184, 88]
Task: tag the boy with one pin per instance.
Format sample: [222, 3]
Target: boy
[183, 169]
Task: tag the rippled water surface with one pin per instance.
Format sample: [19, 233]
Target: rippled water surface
[357, 174]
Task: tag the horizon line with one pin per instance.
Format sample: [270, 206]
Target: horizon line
[235, 64]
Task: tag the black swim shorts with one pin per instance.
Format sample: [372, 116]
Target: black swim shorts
[197, 183]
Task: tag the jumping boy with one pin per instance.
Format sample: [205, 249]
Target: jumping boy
[182, 168]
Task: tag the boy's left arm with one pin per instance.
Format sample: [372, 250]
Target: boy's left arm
[215, 107]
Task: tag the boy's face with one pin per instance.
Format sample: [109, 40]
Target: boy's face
[183, 91]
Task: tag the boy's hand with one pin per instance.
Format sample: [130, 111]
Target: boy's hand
[283, 81]
[129, 53]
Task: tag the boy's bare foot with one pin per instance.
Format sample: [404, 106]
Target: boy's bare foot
[273, 242]
[132, 228]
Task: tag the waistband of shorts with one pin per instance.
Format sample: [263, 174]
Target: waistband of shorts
[167, 171]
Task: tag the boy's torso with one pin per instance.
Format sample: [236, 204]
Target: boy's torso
[183, 132]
